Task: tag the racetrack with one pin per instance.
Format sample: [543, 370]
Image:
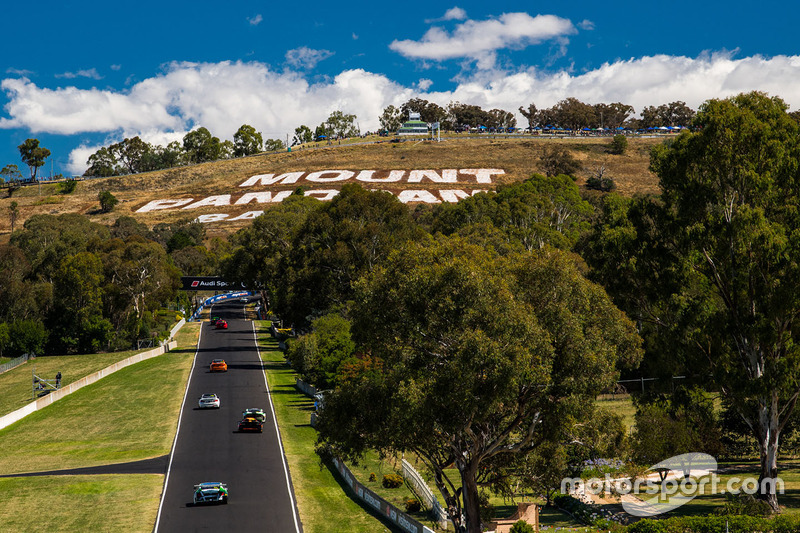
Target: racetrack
[209, 448]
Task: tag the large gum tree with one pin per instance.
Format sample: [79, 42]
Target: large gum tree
[732, 218]
[471, 361]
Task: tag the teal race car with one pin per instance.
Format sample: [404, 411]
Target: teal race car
[210, 492]
[255, 412]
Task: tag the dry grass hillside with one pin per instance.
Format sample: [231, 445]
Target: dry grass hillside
[519, 158]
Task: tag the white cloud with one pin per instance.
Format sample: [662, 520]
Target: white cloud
[455, 13]
[88, 73]
[223, 96]
[306, 58]
[479, 40]
[255, 21]
[586, 24]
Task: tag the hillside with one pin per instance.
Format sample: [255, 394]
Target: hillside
[218, 186]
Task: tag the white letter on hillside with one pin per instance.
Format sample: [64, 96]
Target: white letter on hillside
[271, 179]
[341, 175]
[322, 194]
[248, 215]
[448, 176]
[216, 201]
[216, 217]
[482, 175]
[163, 204]
[263, 197]
[394, 175]
[453, 196]
[418, 196]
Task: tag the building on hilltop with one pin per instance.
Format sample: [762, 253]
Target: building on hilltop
[414, 126]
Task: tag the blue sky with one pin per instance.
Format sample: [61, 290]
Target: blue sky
[78, 77]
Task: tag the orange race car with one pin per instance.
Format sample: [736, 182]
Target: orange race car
[219, 365]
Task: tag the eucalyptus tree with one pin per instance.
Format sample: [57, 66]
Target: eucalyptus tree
[473, 361]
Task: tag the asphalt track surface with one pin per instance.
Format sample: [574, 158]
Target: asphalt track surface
[209, 448]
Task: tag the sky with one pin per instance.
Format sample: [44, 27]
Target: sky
[78, 76]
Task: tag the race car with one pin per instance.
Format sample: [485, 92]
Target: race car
[218, 365]
[210, 492]
[208, 401]
[256, 412]
[214, 320]
[221, 324]
[251, 423]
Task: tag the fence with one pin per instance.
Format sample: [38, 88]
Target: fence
[5, 367]
[44, 401]
[424, 492]
[381, 506]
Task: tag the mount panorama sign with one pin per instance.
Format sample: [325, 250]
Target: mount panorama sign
[410, 186]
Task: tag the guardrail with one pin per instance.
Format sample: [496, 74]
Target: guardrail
[44, 401]
[424, 492]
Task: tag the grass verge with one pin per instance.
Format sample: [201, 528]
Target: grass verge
[16, 384]
[127, 416]
[80, 503]
[321, 500]
[98, 502]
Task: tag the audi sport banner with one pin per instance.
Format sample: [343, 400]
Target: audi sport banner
[208, 283]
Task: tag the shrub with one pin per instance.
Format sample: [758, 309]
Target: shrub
[558, 160]
[413, 505]
[372, 477]
[67, 187]
[600, 182]
[392, 481]
[521, 526]
[619, 144]
[107, 201]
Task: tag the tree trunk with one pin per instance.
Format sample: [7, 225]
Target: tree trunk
[472, 506]
[768, 435]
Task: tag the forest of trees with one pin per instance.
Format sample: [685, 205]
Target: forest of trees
[73, 286]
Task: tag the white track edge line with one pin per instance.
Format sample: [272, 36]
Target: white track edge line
[178, 430]
[277, 432]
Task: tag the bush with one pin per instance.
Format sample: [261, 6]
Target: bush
[521, 526]
[67, 187]
[392, 481]
[372, 477]
[107, 201]
[717, 524]
[557, 160]
[600, 182]
[619, 144]
[413, 505]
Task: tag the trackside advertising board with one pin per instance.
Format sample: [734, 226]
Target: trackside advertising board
[207, 283]
[389, 511]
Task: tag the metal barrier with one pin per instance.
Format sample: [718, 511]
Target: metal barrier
[5, 367]
[424, 492]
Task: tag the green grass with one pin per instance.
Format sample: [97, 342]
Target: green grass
[80, 503]
[127, 416]
[16, 384]
[321, 499]
[622, 406]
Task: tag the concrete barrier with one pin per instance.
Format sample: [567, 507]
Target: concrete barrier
[44, 401]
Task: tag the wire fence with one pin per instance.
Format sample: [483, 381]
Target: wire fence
[5, 367]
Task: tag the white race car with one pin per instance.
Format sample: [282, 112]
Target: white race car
[208, 401]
